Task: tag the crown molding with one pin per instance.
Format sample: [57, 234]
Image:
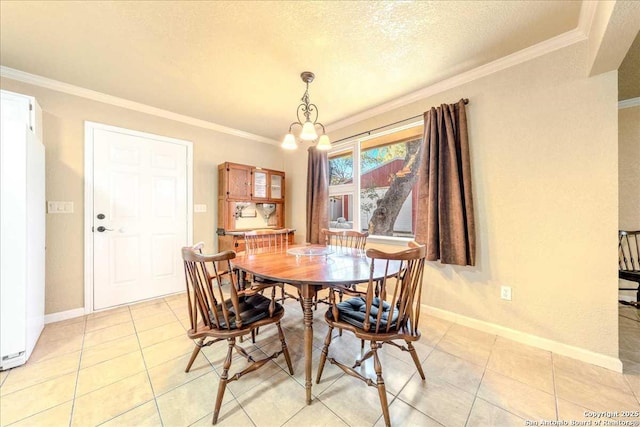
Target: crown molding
[587, 13]
[628, 103]
[527, 54]
[59, 86]
[580, 33]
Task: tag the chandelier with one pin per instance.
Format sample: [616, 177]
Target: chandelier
[308, 132]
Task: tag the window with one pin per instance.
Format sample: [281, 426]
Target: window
[385, 169]
[341, 211]
[341, 168]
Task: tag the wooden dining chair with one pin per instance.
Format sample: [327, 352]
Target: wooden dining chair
[269, 241]
[343, 239]
[220, 310]
[388, 311]
[629, 261]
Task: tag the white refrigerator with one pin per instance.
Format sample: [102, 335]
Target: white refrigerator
[22, 228]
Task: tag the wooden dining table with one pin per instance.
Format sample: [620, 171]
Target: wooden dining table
[310, 268]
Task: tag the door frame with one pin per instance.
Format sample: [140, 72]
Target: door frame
[89, 128]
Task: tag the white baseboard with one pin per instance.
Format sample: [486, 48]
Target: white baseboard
[609, 362]
[626, 298]
[63, 315]
[628, 103]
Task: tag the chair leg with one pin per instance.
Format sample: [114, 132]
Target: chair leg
[414, 356]
[323, 355]
[300, 300]
[196, 350]
[285, 350]
[222, 385]
[382, 392]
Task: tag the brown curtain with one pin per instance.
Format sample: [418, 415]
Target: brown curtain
[317, 194]
[445, 205]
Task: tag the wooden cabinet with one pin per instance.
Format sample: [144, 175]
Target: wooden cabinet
[260, 180]
[268, 185]
[234, 181]
[243, 183]
[250, 197]
[276, 186]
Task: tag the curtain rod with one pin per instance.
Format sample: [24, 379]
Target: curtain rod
[368, 132]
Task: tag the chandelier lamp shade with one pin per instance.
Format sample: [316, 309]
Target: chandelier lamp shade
[307, 115]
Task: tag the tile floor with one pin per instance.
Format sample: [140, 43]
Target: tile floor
[125, 367]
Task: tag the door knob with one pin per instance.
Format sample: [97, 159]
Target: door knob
[101, 216]
[102, 229]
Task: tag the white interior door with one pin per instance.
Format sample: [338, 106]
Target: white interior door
[140, 216]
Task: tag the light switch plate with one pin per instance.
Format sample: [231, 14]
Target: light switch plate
[54, 207]
[199, 208]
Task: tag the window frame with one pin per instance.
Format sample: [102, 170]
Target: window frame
[354, 189]
[348, 189]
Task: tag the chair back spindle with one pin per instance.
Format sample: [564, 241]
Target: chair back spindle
[206, 292]
[629, 251]
[345, 238]
[267, 240]
[401, 292]
[629, 263]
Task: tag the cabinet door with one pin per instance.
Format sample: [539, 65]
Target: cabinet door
[260, 188]
[276, 186]
[238, 182]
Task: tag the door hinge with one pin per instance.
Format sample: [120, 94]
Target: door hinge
[30, 109]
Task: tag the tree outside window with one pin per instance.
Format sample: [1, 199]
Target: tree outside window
[386, 168]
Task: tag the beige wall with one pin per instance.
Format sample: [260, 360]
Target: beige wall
[63, 117]
[545, 166]
[295, 164]
[629, 168]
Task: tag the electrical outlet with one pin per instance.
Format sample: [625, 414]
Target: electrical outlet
[505, 292]
[199, 208]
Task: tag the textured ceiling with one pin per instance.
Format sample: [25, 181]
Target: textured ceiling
[237, 63]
